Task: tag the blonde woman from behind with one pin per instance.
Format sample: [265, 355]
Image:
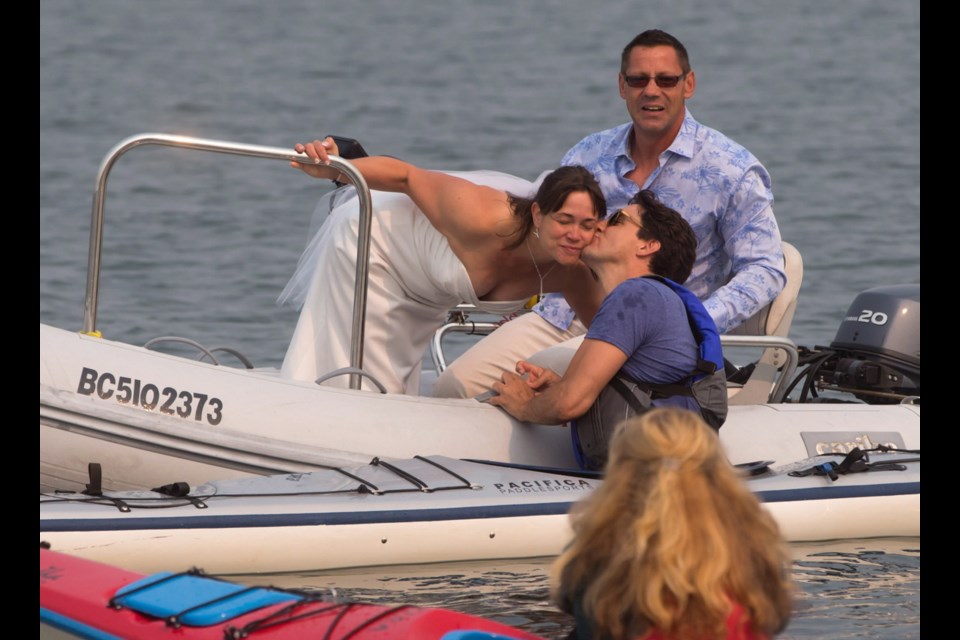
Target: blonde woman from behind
[673, 545]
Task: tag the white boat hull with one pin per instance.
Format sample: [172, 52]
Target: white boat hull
[321, 521]
[222, 422]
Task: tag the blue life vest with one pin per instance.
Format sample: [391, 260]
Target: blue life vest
[624, 397]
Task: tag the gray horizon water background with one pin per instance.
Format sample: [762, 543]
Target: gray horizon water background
[827, 95]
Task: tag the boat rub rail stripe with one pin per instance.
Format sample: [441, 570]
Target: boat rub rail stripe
[832, 491]
[413, 515]
[306, 519]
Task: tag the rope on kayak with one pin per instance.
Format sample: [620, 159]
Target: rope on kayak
[368, 622]
[286, 615]
[278, 617]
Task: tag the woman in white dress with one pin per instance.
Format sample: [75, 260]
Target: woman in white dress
[437, 240]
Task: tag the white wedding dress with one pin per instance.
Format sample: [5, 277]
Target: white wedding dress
[414, 280]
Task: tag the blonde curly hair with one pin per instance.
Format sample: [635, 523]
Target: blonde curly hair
[673, 539]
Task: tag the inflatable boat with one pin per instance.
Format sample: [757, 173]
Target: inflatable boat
[149, 417]
[92, 600]
[436, 509]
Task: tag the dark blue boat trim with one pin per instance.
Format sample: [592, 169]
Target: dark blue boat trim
[208, 521]
[830, 492]
[78, 629]
[305, 519]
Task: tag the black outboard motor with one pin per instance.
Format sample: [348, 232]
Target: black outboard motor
[876, 352]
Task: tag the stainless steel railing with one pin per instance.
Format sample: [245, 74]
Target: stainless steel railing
[239, 149]
[459, 322]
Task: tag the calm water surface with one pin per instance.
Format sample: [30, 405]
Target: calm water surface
[826, 94]
[846, 589]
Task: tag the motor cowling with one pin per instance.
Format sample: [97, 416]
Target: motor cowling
[877, 347]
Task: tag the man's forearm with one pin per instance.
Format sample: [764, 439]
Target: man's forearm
[750, 290]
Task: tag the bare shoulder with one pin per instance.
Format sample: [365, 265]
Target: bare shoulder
[458, 206]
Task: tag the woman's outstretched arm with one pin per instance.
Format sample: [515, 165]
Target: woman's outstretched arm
[453, 205]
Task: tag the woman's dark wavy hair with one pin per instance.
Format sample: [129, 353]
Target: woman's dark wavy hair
[553, 192]
[678, 243]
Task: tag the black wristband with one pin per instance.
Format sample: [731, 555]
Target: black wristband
[349, 149]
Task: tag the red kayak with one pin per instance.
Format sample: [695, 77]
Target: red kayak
[93, 600]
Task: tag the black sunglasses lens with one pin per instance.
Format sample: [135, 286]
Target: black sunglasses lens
[615, 219]
[664, 82]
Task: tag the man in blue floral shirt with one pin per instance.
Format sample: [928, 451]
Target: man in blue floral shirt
[716, 184]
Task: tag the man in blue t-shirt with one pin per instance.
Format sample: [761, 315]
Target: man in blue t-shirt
[640, 328]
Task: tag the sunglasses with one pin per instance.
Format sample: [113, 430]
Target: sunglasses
[664, 82]
[619, 216]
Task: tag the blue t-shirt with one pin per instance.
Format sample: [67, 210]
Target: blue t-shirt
[648, 321]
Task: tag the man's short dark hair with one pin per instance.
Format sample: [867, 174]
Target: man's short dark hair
[678, 243]
[656, 38]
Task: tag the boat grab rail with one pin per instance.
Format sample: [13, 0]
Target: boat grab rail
[457, 322]
[352, 371]
[240, 149]
[204, 351]
[187, 341]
